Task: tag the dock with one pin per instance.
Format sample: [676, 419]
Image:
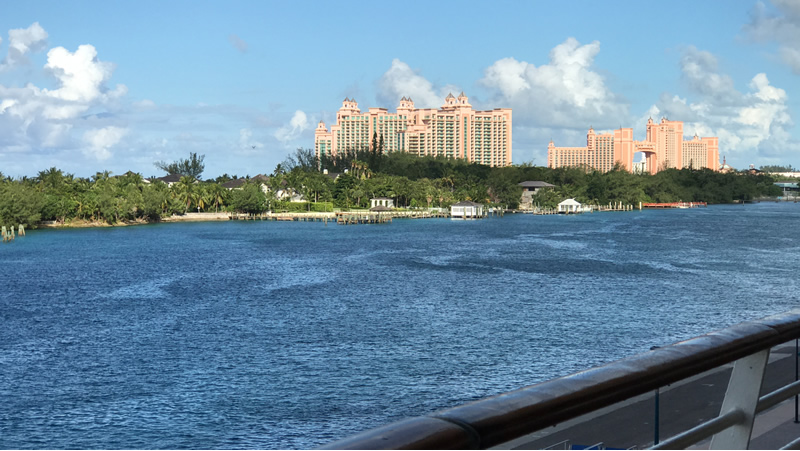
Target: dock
[612, 206]
[675, 205]
[340, 217]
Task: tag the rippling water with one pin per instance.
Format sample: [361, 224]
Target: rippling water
[289, 335]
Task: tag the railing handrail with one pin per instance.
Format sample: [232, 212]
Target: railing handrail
[501, 418]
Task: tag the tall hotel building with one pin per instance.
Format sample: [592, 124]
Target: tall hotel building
[663, 148]
[455, 130]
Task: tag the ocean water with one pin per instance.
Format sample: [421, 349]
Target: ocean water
[290, 335]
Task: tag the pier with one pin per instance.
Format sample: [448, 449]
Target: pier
[611, 206]
[675, 205]
[8, 234]
[340, 217]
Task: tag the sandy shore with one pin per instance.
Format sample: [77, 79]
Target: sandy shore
[81, 223]
[226, 216]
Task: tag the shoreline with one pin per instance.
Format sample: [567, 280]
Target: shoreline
[84, 224]
[296, 216]
[226, 216]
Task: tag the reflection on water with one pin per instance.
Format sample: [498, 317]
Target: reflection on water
[276, 335]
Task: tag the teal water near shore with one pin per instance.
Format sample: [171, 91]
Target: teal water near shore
[289, 335]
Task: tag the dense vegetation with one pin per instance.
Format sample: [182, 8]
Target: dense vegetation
[412, 181]
[777, 168]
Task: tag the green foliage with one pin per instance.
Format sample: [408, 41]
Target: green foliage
[777, 168]
[20, 204]
[303, 159]
[249, 199]
[416, 182]
[191, 167]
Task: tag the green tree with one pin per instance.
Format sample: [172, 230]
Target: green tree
[249, 199]
[185, 191]
[20, 204]
[191, 167]
[217, 195]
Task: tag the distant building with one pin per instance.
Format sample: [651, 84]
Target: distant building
[725, 167]
[466, 209]
[234, 184]
[639, 167]
[789, 189]
[663, 148]
[534, 187]
[753, 170]
[331, 175]
[170, 179]
[793, 174]
[569, 206]
[261, 179]
[455, 131]
[529, 189]
[381, 202]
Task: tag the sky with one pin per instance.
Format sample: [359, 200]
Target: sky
[88, 86]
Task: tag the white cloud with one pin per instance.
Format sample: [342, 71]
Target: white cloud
[6, 104]
[145, 104]
[297, 125]
[751, 126]
[22, 41]
[402, 81]
[782, 26]
[38, 120]
[81, 75]
[566, 92]
[699, 70]
[100, 141]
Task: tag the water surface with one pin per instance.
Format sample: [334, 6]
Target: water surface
[289, 335]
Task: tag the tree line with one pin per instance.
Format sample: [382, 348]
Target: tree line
[348, 181]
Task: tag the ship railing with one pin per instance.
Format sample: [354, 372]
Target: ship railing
[493, 421]
[563, 444]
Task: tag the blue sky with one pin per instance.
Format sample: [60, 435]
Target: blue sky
[87, 86]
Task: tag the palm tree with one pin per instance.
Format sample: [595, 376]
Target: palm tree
[216, 193]
[185, 191]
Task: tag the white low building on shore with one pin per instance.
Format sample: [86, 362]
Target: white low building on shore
[466, 209]
[569, 206]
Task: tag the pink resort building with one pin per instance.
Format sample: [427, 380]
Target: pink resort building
[455, 130]
[663, 148]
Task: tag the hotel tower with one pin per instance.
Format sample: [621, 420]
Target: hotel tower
[663, 148]
[455, 130]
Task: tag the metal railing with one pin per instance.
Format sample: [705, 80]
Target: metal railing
[499, 419]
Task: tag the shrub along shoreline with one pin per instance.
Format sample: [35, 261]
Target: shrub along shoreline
[349, 181]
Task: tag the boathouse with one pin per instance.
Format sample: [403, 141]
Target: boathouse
[381, 202]
[534, 187]
[569, 206]
[529, 189]
[466, 209]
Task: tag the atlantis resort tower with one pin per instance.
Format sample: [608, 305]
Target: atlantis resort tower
[663, 148]
[455, 130]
